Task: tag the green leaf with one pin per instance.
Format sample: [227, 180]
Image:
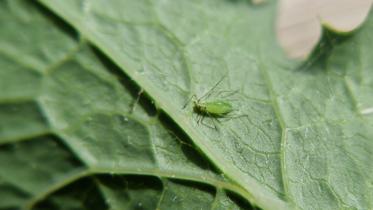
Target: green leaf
[68, 139]
[302, 143]
[171, 65]
[306, 143]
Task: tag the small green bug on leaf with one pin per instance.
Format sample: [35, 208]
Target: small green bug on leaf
[213, 109]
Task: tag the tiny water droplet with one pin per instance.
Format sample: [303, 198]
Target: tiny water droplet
[122, 119]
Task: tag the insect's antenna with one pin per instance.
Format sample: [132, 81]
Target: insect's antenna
[187, 102]
[213, 87]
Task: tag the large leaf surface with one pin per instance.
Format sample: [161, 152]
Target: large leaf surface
[307, 141]
[68, 140]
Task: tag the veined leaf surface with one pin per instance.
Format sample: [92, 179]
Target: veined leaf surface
[307, 140]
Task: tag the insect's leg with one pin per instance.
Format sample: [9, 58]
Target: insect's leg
[208, 93]
[187, 102]
[196, 118]
[199, 117]
[207, 125]
[202, 118]
[133, 105]
[213, 121]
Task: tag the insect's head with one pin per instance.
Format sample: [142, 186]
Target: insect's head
[196, 103]
[198, 106]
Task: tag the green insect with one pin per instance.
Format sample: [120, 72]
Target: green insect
[214, 109]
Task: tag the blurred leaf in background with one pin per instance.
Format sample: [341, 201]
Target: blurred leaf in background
[299, 22]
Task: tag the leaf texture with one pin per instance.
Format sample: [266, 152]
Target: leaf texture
[306, 142]
[68, 138]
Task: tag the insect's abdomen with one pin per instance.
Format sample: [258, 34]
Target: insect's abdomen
[218, 107]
